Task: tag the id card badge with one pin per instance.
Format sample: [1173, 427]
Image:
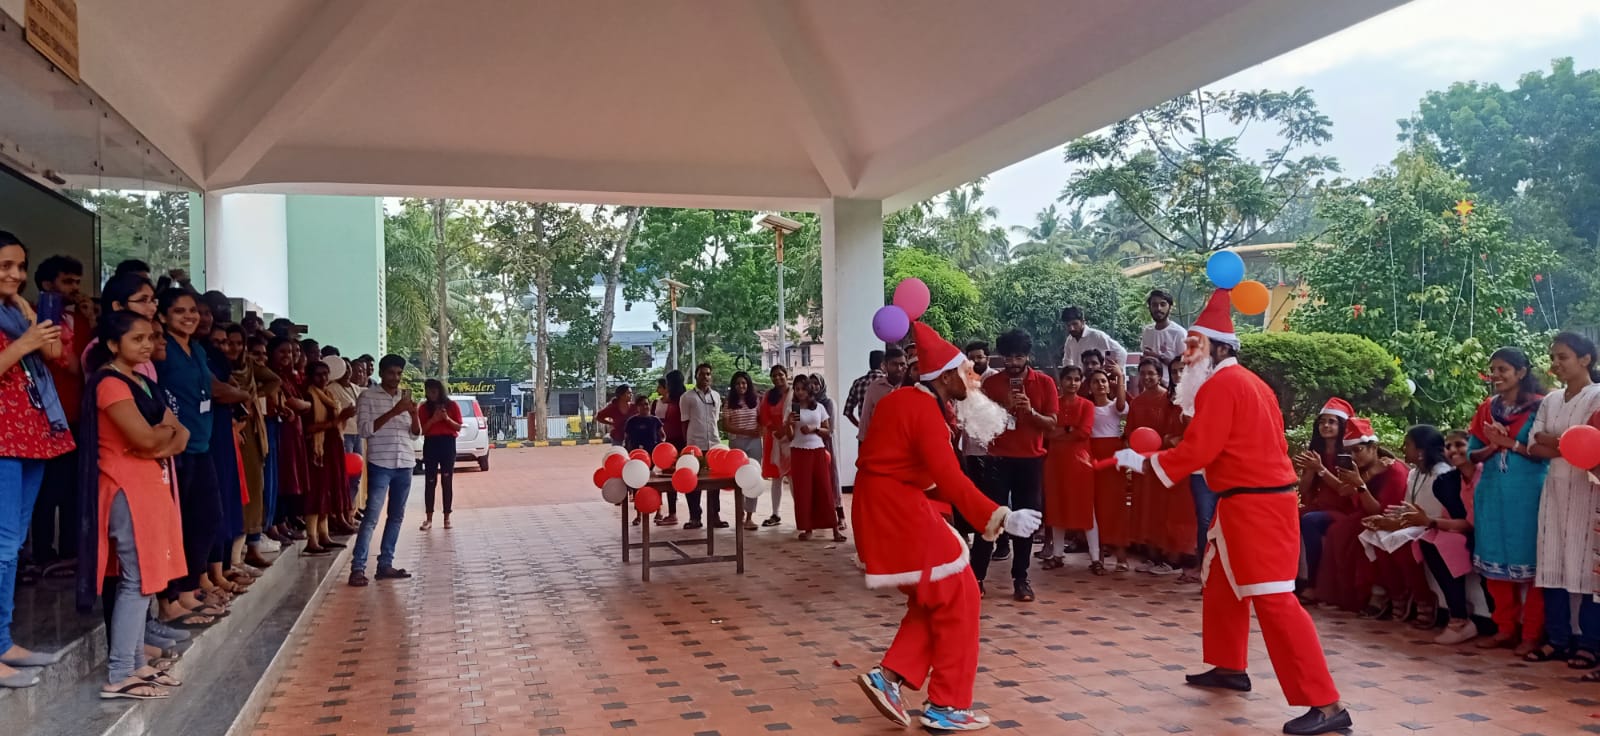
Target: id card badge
[205, 406]
[261, 405]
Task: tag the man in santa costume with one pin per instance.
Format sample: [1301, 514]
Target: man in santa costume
[908, 478]
[1236, 438]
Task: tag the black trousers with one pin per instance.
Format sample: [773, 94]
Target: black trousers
[1454, 589]
[713, 504]
[439, 468]
[55, 516]
[976, 469]
[1016, 482]
[201, 504]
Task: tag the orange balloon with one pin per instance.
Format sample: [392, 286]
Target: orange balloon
[684, 480]
[1251, 297]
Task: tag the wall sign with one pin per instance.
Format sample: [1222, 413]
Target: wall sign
[52, 30]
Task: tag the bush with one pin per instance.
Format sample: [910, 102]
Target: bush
[1306, 369]
[1030, 293]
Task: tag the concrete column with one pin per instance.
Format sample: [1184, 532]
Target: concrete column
[852, 289]
[247, 248]
[336, 270]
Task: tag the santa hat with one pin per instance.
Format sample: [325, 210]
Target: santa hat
[1216, 320]
[1358, 431]
[1339, 408]
[934, 353]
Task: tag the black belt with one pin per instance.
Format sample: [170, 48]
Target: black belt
[1243, 491]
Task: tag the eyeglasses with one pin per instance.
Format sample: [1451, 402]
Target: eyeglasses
[141, 300]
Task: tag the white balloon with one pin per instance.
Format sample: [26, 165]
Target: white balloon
[615, 450]
[614, 491]
[1411, 386]
[749, 480]
[689, 461]
[635, 473]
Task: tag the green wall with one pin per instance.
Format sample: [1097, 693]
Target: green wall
[336, 270]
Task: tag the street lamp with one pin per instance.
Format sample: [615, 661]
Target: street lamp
[780, 226]
[693, 313]
[672, 288]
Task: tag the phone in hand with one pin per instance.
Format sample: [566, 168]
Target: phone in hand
[1346, 462]
[51, 307]
[1016, 384]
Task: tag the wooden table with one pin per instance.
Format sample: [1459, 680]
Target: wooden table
[662, 484]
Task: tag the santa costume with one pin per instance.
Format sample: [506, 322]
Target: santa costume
[908, 478]
[1236, 438]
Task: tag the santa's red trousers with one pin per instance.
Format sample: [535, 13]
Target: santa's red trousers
[939, 633]
[1291, 637]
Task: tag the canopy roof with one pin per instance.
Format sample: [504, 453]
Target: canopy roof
[741, 103]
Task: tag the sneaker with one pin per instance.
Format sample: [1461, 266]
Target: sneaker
[885, 696]
[1144, 568]
[1161, 568]
[1001, 553]
[1454, 635]
[940, 718]
[693, 524]
[1022, 592]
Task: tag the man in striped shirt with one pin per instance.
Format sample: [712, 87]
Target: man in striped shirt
[387, 418]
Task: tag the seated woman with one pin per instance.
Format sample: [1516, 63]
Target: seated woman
[1323, 500]
[1446, 546]
[1390, 535]
[1344, 574]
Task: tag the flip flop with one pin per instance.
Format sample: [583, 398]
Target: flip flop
[127, 692]
[187, 620]
[162, 678]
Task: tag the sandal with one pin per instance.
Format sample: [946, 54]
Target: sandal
[1097, 567]
[191, 620]
[1189, 577]
[162, 678]
[1499, 641]
[837, 537]
[1544, 653]
[1427, 617]
[805, 536]
[1051, 563]
[1582, 659]
[139, 690]
[1375, 612]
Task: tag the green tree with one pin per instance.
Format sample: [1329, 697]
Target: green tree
[150, 226]
[1031, 292]
[413, 256]
[1437, 289]
[1181, 170]
[1535, 147]
[1054, 235]
[956, 308]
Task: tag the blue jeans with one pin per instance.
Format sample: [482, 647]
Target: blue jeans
[1313, 527]
[1205, 507]
[132, 606]
[393, 484]
[19, 490]
[1558, 621]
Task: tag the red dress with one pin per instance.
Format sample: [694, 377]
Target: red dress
[772, 417]
[1179, 522]
[1068, 469]
[25, 431]
[328, 486]
[1345, 576]
[1149, 514]
[294, 477]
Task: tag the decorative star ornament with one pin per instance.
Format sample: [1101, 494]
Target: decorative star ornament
[1464, 208]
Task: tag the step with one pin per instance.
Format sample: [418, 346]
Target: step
[220, 671]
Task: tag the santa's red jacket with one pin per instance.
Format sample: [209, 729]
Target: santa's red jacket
[907, 478]
[1236, 440]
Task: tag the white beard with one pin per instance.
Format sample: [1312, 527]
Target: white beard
[1195, 375]
[981, 418]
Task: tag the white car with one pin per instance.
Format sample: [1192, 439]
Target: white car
[472, 443]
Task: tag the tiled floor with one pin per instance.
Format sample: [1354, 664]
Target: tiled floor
[522, 620]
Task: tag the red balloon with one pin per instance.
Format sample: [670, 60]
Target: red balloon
[692, 450]
[1580, 446]
[684, 480]
[664, 455]
[353, 465]
[601, 476]
[614, 462]
[1144, 440]
[639, 454]
[647, 500]
[734, 460]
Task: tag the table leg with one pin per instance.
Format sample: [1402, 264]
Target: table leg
[738, 536]
[711, 532]
[644, 550]
[624, 533]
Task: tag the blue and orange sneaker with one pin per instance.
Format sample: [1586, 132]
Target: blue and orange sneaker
[940, 718]
[885, 695]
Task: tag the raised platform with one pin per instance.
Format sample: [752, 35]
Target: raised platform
[220, 670]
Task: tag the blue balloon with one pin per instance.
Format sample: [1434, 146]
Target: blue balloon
[1225, 269]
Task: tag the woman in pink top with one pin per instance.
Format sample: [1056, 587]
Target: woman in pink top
[123, 292]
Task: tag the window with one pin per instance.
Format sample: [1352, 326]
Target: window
[568, 404]
[805, 355]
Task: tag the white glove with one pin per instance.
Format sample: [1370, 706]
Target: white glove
[1130, 460]
[1023, 522]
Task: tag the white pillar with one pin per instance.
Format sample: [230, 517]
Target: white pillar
[852, 289]
[247, 248]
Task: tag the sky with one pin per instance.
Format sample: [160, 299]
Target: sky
[1371, 75]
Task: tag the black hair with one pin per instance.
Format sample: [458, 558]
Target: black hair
[976, 345]
[1071, 314]
[774, 395]
[697, 368]
[391, 361]
[233, 328]
[51, 268]
[1084, 358]
[661, 382]
[112, 327]
[875, 360]
[1529, 386]
[6, 238]
[133, 265]
[275, 343]
[675, 387]
[1430, 442]
[170, 296]
[1160, 294]
[1014, 342]
[746, 400]
[332, 350]
[621, 389]
[1068, 369]
[365, 358]
[1176, 360]
[1320, 446]
[444, 395]
[1582, 347]
[892, 353]
[311, 349]
[1147, 360]
[121, 288]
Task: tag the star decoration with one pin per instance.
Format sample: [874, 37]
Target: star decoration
[1528, 311]
[1464, 208]
[1356, 310]
[1538, 278]
[1500, 310]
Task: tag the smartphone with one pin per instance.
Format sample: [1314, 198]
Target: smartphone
[51, 307]
[1016, 384]
[1346, 462]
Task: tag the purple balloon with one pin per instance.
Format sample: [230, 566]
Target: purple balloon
[891, 323]
[912, 296]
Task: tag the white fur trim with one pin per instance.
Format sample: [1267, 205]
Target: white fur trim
[1255, 589]
[939, 572]
[997, 524]
[1218, 551]
[950, 366]
[1226, 338]
[1155, 464]
[1361, 440]
[1335, 413]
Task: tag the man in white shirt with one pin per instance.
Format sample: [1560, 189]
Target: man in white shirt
[1162, 339]
[387, 418]
[1081, 337]
[701, 408]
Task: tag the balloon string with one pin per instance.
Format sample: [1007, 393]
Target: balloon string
[1394, 276]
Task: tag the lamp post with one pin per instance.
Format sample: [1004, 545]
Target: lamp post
[780, 226]
[693, 313]
[672, 288]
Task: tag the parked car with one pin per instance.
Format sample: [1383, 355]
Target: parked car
[472, 444]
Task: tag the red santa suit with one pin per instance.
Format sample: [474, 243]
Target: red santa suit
[908, 478]
[1236, 438]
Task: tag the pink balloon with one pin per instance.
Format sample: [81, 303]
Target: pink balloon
[912, 296]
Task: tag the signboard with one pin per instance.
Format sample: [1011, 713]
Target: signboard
[52, 30]
[480, 386]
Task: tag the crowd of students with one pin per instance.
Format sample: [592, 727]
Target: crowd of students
[166, 456]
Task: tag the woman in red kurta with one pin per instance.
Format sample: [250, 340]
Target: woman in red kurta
[773, 416]
[293, 475]
[325, 496]
[1149, 514]
[1110, 483]
[1178, 524]
[1068, 468]
[1345, 576]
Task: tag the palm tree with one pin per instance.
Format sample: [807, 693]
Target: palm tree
[1118, 234]
[412, 278]
[966, 230]
[1054, 237]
